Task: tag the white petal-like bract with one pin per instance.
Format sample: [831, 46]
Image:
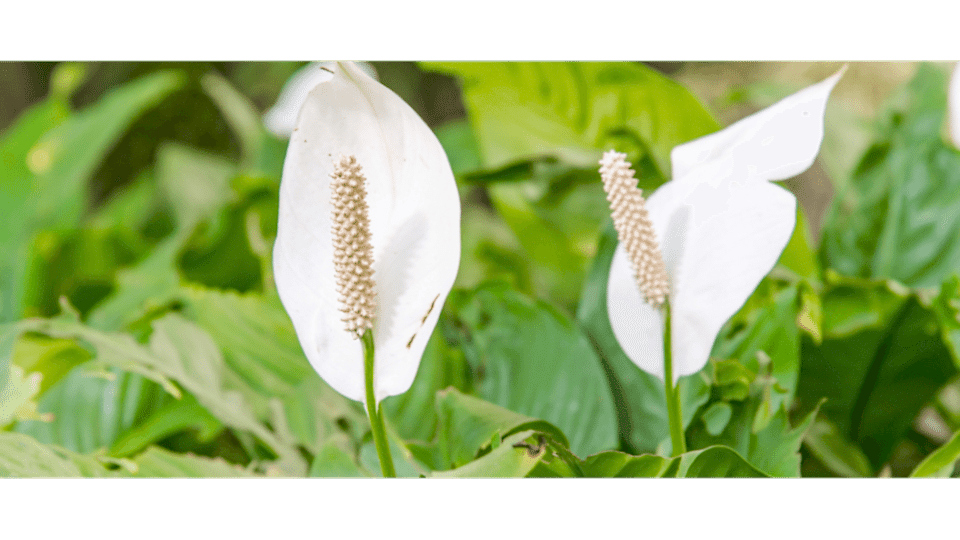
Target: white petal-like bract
[776, 143]
[722, 227]
[414, 211]
[282, 117]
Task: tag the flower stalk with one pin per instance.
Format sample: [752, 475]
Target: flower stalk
[674, 415]
[374, 410]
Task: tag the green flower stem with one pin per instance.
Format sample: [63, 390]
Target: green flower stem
[677, 440]
[376, 420]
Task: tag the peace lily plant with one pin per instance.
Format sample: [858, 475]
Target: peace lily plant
[690, 255]
[368, 239]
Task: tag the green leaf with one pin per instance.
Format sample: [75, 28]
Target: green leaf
[613, 464]
[879, 378]
[717, 416]
[159, 463]
[188, 355]
[258, 340]
[174, 416]
[947, 307]
[534, 361]
[332, 462]
[898, 218]
[23, 457]
[468, 424]
[90, 411]
[715, 462]
[712, 462]
[829, 445]
[573, 111]
[509, 460]
[639, 397]
[941, 462]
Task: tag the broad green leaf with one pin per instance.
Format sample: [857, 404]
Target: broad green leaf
[942, 461]
[332, 462]
[108, 349]
[90, 411]
[258, 340]
[188, 355]
[174, 416]
[851, 305]
[23, 457]
[712, 462]
[877, 380]
[147, 285]
[613, 464]
[573, 111]
[639, 397]
[717, 416]
[509, 460]
[898, 218]
[159, 463]
[316, 414]
[947, 307]
[715, 462]
[835, 451]
[533, 360]
[469, 425]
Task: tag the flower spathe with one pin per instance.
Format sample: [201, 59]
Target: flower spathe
[721, 225]
[414, 230]
[282, 116]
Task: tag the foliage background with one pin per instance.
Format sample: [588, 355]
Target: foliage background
[142, 336]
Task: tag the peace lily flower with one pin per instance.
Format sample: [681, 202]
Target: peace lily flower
[704, 240]
[282, 117]
[368, 235]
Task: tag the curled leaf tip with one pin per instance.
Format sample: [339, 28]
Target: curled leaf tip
[352, 250]
[634, 228]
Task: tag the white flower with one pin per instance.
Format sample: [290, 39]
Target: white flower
[282, 117]
[414, 229]
[953, 106]
[721, 225]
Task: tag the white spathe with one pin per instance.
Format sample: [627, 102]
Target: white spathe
[282, 117]
[721, 226]
[414, 224]
[953, 106]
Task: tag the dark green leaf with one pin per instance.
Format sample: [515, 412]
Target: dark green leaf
[879, 378]
[536, 362]
[899, 218]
